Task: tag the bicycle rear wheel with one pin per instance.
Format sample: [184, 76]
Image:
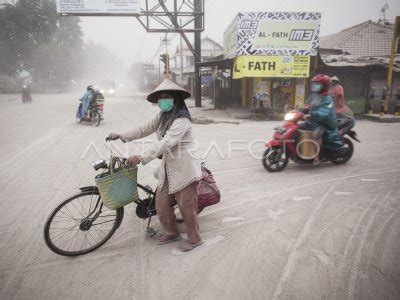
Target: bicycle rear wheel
[81, 224]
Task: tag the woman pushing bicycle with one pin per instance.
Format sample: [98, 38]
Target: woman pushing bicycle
[180, 168]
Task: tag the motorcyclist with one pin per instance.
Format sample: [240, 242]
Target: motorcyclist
[321, 116]
[98, 100]
[26, 89]
[86, 99]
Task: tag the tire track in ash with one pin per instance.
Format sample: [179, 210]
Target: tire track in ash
[356, 262]
[378, 236]
[5, 165]
[342, 265]
[293, 257]
[28, 258]
[331, 223]
[301, 187]
[191, 287]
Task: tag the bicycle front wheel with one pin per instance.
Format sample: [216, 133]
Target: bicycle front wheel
[81, 224]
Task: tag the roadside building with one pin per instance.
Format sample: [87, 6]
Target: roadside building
[359, 56]
[185, 75]
[266, 52]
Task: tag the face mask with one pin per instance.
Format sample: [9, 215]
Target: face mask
[316, 87]
[165, 104]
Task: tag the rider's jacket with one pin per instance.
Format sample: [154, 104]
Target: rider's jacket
[87, 97]
[323, 113]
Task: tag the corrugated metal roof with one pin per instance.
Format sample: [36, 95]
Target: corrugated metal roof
[359, 61]
[365, 39]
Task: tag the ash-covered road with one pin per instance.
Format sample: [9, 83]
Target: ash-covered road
[305, 233]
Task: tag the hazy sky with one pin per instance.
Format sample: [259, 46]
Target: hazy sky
[129, 40]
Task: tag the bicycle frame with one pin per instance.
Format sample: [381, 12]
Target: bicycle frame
[148, 190]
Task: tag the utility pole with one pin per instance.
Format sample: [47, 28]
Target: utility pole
[166, 57]
[198, 23]
[159, 67]
[181, 76]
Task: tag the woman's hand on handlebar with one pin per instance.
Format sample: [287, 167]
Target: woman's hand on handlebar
[113, 136]
[133, 160]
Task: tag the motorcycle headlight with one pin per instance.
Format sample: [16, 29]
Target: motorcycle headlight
[102, 91]
[289, 116]
[111, 91]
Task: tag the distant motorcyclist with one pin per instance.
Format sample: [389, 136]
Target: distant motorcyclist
[26, 89]
[321, 118]
[86, 99]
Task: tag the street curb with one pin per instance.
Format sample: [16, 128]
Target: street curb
[385, 119]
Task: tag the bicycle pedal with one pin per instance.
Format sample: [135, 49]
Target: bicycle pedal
[151, 231]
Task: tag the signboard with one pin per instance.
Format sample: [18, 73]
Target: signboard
[230, 39]
[274, 33]
[98, 7]
[271, 66]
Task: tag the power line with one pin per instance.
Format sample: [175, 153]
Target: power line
[161, 44]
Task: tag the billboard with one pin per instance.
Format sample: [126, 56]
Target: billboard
[271, 66]
[274, 33]
[98, 7]
[230, 39]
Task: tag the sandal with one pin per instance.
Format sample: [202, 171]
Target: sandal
[187, 246]
[168, 238]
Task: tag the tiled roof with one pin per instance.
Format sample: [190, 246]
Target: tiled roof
[365, 39]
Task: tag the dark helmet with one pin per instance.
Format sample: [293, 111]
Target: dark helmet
[324, 81]
[90, 88]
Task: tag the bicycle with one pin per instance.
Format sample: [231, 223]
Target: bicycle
[82, 223]
[261, 106]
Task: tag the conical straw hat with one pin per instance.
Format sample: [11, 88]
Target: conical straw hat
[165, 86]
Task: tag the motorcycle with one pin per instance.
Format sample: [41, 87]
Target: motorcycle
[94, 115]
[287, 142]
[26, 94]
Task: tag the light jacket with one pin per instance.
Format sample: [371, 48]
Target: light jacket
[180, 161]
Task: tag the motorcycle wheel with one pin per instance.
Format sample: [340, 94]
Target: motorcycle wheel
[347, 144]
[272, 159]
[96, 118]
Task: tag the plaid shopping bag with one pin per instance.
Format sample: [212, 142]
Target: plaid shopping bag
[207, 190]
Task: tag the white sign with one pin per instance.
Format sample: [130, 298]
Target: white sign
[273, 33]
[98, 7]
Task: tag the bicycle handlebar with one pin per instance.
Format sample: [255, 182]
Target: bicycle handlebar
[106, 141]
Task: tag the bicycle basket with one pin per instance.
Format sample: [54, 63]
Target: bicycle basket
[118, 187]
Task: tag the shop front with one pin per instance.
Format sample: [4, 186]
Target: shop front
[279, 80]
[270, 55]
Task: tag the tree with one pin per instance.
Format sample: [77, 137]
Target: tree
[33, 37]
